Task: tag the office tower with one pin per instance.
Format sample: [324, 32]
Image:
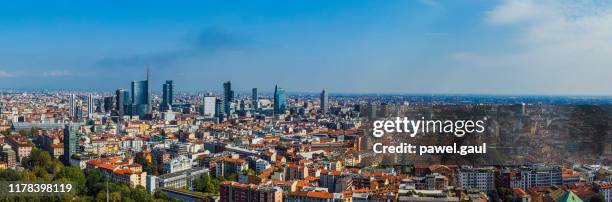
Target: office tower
[72, 107]
[99, 105]
[324, 102]
[228, 97]
[219, 109]
[280, 100]
[371, 111]
[255, 99]
[70, 142]
[108, 104]
[141, 97]
[90, 105]
[167, 95]
[123, 98]
[209, 105]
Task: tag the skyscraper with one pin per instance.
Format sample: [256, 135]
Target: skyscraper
[122, 98]
[72, 107]
[141, 97]
[108, 104]
[324, 102]
[255, 99]
[167, 95]
[228, 97]
[219, 109]
[90, 105]
[70, 142]
[208, 105]
[280, 100]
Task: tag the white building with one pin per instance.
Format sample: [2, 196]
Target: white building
[177, 164]
[208, 105]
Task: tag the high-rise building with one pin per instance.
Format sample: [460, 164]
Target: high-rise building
[167, 95]
[123, 100]
[280, 100]
[108, 104]
[324, 102]
[72, 107]
[219, 109]
[208, 105]
[255, 99]
[228, 98]
[90, 105]
[70, 142]
[141, 97]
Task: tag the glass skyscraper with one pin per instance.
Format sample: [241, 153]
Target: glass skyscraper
[167, 95]
[280, 100]
[255, 99]
[70, 142]
[324, 102]
[141, 97]
[228, 98]
[72, 109]
[123, 102]
[90, 105]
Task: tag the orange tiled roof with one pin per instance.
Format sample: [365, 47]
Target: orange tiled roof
[313, 194]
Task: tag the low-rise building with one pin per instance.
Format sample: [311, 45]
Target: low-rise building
[237, 192]
[119, 170]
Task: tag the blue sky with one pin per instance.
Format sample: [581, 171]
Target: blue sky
[426, 46]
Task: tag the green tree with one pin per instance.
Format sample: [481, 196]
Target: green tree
[75, 175]
[159, 194]
[27, 175]
[205, 183]
[41, 174]
[112, 196]
[40, 158]
[139, 193]
[149, 167]
[232, 177]
[93, 182]
[9, 175]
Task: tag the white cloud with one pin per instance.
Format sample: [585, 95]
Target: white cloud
[518, 11]
[5, 74]
[562, 46]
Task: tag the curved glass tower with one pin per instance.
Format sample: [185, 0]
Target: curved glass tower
[280, 100]
[141, 97]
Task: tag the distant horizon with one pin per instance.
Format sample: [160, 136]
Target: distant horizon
[218, 92]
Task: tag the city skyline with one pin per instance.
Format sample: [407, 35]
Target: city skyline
[437, 47]
[306, 100]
